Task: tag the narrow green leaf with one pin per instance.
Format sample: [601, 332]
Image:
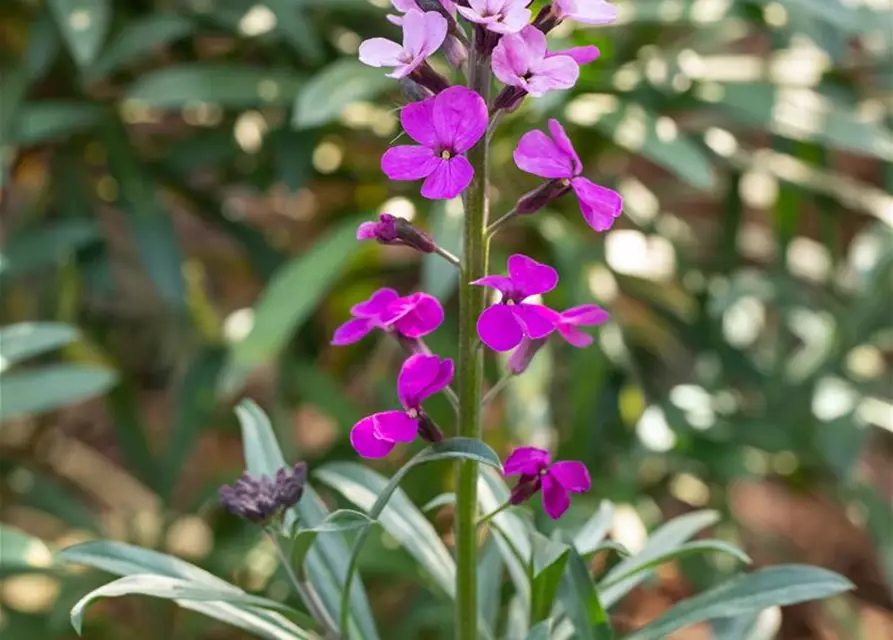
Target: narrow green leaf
[20, 552]
[49, 388]
[326, 94]
[137, 39]
[663, 540]
[687, 549]
[83, 24]
[178, 589]
[611, 545]
[289, 299]
[43, 46]
[581, 601]
[230, 86]
[48, 244]
[774, 586]
[326, 563]
[343, 520]
[596, 528]
[549, 560]
[489, 590]
[439, 501]
[542, 631]
[13, 86]
[293, 24]
[439, 277]
[39, 122]
[25, 340]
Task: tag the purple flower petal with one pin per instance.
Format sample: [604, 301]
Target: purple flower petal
[515, 54]
[499, 329]
[448, 179]
[366, 231]
[409, 162]
[418, 316]
[443, 378]
[574, 336]
[531, 277]
[460, 118]
[365, 442]
[418, 373]
[376, 304]
[423, 33]
[536, 153]
[503, 284]
[405, 5]
[599, 205]
[352, 331]
[380, 52]
[572, 475]
[417, 119]
[526, 460]
[564, 143]
[538, 320]
[585, 314]
[394, 426]
[581, 55]
[586, 11]
[559, 72]
[556, 499]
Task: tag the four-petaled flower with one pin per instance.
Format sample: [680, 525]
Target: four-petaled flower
[555, 158]
[411, 316]
[556, 479]
[521, 60]
[597, 12]
[498, 16]
[420, 377]
[405, 6]
[503, 325]
[260, 498]
[423, 33]
[445, 126]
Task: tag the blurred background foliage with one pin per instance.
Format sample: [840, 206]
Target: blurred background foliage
[181, 181]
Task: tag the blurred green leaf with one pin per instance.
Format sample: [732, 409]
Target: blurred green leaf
[665, 539]
[326, 94]
[289, 299]
[327, 560]
[596, 528]
[49, 388]
[490, 576]
[55, 498]
[439, 501]
[138, 39]
[39, 122]
[43, 46]
[292, 22]
[781, 585]
[47, 244]
[20, 552]
[582, 603]
[230, 86]
[439, 277]
[25, 340]
[13, 87]
[178, 589]
[511, 533]
[83, 24]
[542, 631]
[611, 545]
[549, 560]
[343, 520]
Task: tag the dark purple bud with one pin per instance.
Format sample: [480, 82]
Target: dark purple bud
[429, 431]
[533, 201]
[526, 488]
[485, 40]
[393, 230]
[426, 76]
[290, 485]
[455, 52]
[413, 91]
[509, 99]
[412, 346]
[260, 499]
[546, 19]
[523, 355]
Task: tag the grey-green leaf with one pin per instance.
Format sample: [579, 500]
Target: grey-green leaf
[289, 299]
[38, 122]
[326, 94]
[48, 388]
[25, 340]
[137, 39]
[549, 560]
[582, 603]
[540, 631]
[596, 528]
[439, 277]
[48, 244]
[22, 552]
[83, 24]
[781, 585]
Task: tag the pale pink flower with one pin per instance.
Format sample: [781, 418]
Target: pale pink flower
[423, 33]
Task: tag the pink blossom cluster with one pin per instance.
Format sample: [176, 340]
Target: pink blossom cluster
[442, 124]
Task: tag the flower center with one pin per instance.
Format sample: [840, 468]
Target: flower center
[510, 302]
[413, 413]
[446, 154]
[564, 182]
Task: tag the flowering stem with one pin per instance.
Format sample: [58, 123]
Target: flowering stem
[305, 590]
[496, 226]
[495, 389]
[449, 257]
[471, 364]
[484, 519]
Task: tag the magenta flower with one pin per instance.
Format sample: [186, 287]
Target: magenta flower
[423, 33]
[405, 6]
[586, 315]
[555, 158]
[422, 376]
[445, 126]
[520, 60]
[393, 230]
[411, 316]
[557, 479]
[498, 16]
[505, 324]
[596, 12]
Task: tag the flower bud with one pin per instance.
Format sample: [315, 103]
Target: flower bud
[429, 431]
[533, 201]
[411, 346]
[509, 99]
[485, 40]
[527, 487]
[426, 76]
[393, 230]
[546, 19]
[413, 91]
[523, 355]
[455, 52]
[258, 499]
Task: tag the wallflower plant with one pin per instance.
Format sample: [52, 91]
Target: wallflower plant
[554, 591]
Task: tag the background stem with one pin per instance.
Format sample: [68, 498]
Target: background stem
[471, 304]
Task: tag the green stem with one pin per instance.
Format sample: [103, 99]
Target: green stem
[484, 519]
[496, 388]
[471, 369]
[496, 226]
